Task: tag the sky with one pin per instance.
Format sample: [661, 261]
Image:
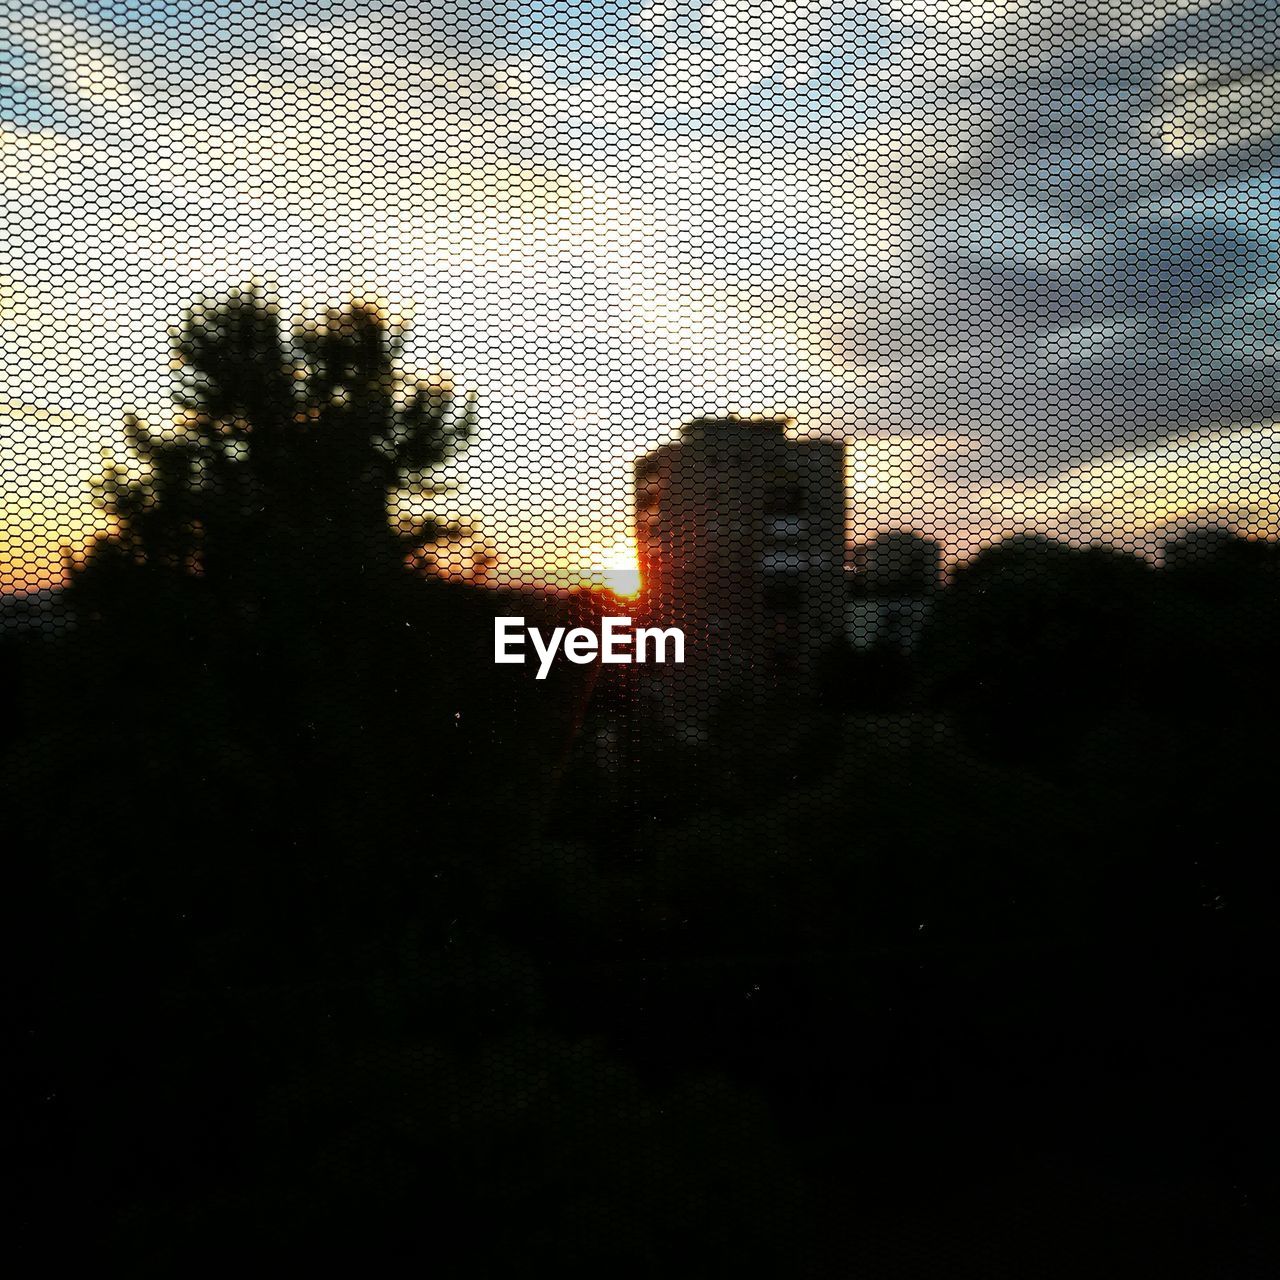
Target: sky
[1023, 257]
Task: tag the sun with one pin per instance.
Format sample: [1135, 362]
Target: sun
[618, 568]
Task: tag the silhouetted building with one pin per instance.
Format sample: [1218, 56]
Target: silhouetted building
[891, 590]
[740, 531]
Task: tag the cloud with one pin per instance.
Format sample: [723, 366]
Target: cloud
[1081, 227]
[1045, 234]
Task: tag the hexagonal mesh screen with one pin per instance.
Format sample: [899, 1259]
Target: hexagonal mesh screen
[640, 636]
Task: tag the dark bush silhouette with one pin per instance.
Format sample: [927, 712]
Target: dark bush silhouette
[1035, 637]
[334, 950]
[273, 803]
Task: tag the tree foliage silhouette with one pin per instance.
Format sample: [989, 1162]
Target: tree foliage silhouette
[1035, 638]
[284, 450]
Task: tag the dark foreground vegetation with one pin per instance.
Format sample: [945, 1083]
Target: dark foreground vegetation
[338, 944]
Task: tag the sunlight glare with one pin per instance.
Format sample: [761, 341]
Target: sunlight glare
[618, 569]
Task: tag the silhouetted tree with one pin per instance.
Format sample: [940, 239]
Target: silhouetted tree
[283, 452]
[1034, 637]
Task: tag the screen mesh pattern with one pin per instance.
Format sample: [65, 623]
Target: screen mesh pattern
[641, 637]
